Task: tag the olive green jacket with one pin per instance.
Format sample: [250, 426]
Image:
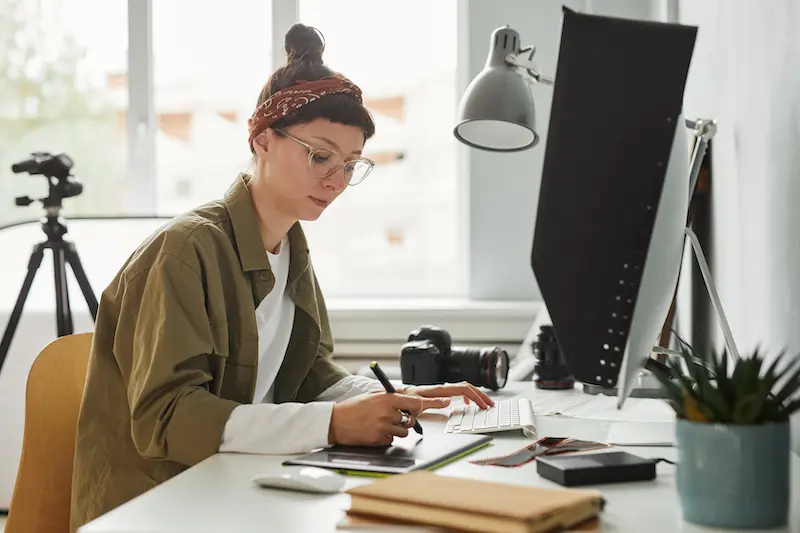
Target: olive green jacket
[175, 350]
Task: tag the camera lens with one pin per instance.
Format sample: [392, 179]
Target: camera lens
[551, 370]
[483, 367]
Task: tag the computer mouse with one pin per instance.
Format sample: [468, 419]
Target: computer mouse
[302, 478]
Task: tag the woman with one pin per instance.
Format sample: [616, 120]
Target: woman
[214, 335]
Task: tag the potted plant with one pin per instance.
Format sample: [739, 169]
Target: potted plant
[732, 435]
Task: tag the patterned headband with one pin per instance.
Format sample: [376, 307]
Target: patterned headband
[287, 101]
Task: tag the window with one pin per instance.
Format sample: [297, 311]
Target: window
[151, 99]
[65, 88]
[62, 87]
[209, 65]
[395, 233]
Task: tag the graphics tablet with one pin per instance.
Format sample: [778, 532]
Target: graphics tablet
[404, 455]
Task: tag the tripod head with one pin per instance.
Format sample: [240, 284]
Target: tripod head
[56, 168]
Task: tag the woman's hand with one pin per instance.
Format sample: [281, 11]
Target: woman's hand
[470, 393]
[375, 419]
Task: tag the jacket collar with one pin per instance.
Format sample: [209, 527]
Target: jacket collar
[245, 225]
[249, 246]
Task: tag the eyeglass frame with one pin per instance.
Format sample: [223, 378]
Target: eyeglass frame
[312, 150]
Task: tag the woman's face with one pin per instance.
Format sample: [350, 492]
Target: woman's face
[296, 188]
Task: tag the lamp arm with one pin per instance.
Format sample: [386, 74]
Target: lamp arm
[518, 59]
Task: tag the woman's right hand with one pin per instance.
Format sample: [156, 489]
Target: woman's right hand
[374, 419]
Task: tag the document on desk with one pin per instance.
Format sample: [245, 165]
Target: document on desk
[640, 422]
[641, 434]
[553, 404]
[601, 407]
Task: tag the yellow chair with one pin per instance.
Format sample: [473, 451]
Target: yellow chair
[40, 502]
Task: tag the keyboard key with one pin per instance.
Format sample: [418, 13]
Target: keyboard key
[480, 419]
[492, 417]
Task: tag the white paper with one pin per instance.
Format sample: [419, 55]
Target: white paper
[601, 407]
[642, 434]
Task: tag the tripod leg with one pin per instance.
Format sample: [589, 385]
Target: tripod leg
[13, 321]
[63, 312]
[77, 268]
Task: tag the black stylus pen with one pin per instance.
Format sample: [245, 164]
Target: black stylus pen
[388, 386]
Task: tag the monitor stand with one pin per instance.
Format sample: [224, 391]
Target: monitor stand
[647, 386]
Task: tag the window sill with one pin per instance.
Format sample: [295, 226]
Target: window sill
[377, 328]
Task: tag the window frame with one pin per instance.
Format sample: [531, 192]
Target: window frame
[491, 311]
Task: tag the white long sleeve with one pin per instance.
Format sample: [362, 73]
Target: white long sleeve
[286, 428]
[267, 428]
[348, 387]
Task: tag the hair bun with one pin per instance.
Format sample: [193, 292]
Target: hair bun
[303, 43]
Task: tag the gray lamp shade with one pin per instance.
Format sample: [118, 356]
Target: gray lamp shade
[497, 112]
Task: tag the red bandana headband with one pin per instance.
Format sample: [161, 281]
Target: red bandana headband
[287, 101]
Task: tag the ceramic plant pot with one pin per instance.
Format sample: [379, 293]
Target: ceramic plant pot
[733, 476]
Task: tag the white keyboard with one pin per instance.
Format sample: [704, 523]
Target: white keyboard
[504, 415]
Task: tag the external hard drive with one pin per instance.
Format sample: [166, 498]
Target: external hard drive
[595, 468]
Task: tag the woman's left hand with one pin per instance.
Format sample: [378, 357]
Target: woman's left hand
[470, 393]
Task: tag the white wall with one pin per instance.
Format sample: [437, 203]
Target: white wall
[745, 75]
[503, 189]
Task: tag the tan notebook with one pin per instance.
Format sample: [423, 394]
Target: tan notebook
[470, 505]
[354, 522]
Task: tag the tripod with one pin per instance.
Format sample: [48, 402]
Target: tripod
[64, 252]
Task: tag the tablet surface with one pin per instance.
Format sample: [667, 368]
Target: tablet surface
[403, 456]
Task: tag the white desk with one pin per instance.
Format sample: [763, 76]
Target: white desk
[218, 496]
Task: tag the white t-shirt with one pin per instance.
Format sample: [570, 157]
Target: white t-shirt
[275, 318]
[267, 428]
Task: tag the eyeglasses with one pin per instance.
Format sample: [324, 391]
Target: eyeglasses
[323, 162]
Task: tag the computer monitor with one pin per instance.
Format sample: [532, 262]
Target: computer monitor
[609, 233]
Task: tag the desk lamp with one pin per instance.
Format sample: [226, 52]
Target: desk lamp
[497, 112]
[613, 204]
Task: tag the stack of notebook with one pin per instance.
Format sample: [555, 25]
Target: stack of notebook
[470, 505]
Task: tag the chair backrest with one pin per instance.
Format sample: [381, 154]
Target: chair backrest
[40, 502]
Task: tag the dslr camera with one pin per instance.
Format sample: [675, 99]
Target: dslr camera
[429, 358]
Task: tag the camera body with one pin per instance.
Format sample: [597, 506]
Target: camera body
[429, 358]
[551, 371]
[56, 168]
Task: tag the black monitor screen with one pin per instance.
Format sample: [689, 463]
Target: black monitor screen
[618, 95]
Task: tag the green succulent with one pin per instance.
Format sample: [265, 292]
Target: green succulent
[711, 389]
